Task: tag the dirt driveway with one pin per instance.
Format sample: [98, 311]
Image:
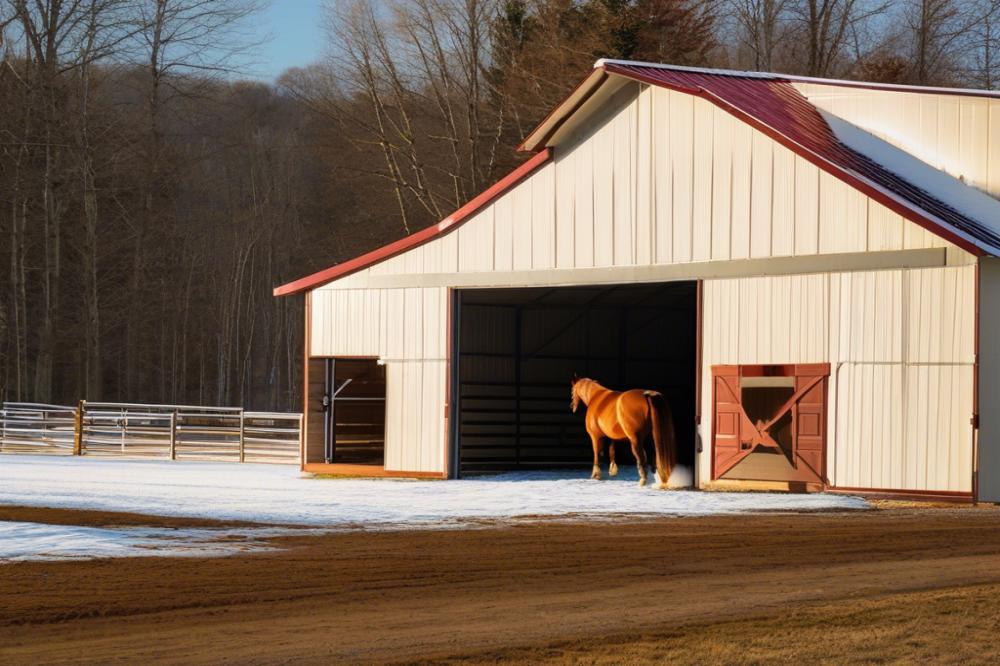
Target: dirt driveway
[889, 585]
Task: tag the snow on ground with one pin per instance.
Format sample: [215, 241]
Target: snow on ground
[37, 541]
[282, 495]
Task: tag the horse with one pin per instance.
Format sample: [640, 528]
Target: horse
[633, 415]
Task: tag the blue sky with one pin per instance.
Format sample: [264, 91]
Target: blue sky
[297, 39]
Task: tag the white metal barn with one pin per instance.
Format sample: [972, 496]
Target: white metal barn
[805, 268]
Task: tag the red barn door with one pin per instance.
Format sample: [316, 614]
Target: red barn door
[769, 422]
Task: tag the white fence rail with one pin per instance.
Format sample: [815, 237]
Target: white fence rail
[172, 432]
[34, 428]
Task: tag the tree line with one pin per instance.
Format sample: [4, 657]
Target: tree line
[151, 196]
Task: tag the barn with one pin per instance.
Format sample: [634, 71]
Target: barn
[805, 268]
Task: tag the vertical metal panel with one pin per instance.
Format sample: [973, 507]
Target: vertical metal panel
[503, 236]
[682, 140]
[663, 177]
[739, 244]
[583, 234]
[761, 176]
[622, 158]
[993, 150]
[722, 172]
[783, 203]
[523, 221]
[475, 240]
[543, 227]
[701, 211]
[644, 201]
[806, 178]
[603, 193]
[565, 185]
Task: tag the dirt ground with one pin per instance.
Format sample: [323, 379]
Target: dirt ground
[893, 585]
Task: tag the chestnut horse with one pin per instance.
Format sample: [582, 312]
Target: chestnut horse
[631, 415]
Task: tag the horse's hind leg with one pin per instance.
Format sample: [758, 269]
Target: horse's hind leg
[613, 467]
[640, 457]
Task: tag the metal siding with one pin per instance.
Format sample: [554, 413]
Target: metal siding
[644, 195]
[406, 328]
[806, 211]
[565, 239]
[901, 346]
[701, 191]
[783, 203]
[682, 147]
[761, 178]
[523, 215]
[960, 135]
[722, 173]
[622, 158]
[584, 204]
[503, 234]
[662, 177]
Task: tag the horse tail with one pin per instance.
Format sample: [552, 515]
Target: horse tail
[664, 438]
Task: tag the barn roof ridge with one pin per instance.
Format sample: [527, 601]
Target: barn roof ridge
[799, 78]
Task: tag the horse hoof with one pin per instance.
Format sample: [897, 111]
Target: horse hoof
[596, 475]
[642, 482]
[613, 470]
[662, 486]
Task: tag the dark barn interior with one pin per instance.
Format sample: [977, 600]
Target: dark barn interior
[517, 350]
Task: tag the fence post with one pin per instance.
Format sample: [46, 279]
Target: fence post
[173, 435]
[78, 428]
[242, 428]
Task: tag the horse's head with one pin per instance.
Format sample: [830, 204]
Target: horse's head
[574, 402]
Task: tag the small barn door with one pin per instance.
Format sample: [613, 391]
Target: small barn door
[769, 422]
[352, 407]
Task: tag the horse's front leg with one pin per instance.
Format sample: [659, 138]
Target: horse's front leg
[613, 467]
[596, 441]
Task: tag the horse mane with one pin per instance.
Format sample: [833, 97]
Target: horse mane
[583, 389]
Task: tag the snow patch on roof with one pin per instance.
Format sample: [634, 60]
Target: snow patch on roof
[958, 195]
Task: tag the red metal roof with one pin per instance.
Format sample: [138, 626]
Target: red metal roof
[774, 106]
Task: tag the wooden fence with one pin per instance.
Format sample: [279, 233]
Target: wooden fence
[170, 432]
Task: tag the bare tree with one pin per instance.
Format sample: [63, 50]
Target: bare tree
[761, 25]
[411, 79]
[936, 27]
[173, 38]
[984, 43]
[828, 27]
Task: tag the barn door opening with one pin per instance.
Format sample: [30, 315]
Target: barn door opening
[347, 412]
[517, 349]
